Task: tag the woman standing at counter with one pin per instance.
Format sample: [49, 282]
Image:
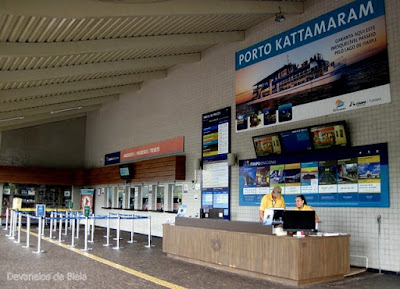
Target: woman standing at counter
[301, 205]
[272, 200]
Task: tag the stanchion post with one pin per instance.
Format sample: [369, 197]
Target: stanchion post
[19, 227]
[78, 223]
[11, 224]
[28, 230]
[66, 224]
[7, 212]
[72, 222]
[14, 226]
[149, 245]
[92, 235]
[39, 237]
[118, 232]
[44, 225]
[55, 221]
[108, 231]
[86, 236]
[60, 229]
[51, 225]
[132, 230]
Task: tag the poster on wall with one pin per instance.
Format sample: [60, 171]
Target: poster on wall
[216, 131]
[215, 187]
[87, 199]
[344, 177]
[334, 63]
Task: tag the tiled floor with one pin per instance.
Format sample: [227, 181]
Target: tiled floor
[134, 266]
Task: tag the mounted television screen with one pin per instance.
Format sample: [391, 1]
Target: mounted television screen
[297, 140]
[329, 135]
[126, 172]
[265, 145]
[294, 221]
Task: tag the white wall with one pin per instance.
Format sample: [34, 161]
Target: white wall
[173, 106]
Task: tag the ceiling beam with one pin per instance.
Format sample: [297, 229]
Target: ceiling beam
[34, 120]
[38, 122]
[13, 49]
[49, 100]
[90, 8]
[116, 82]
[14, 94]
[152, 63]
[60, 106]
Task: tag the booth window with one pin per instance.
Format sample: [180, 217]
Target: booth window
[121, 193]
[177, 197]
[132, 198]
[160, 199]
[145, 198]
[109, 197]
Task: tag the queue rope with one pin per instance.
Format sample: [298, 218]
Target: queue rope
[72, 218]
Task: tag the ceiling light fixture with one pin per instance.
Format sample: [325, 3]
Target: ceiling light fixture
[66, 109]
[13, 118]
[279, 17]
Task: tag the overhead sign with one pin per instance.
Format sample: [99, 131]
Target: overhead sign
[155, 149]
[112, 158]
[334, 63]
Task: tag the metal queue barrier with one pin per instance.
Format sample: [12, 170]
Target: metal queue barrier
[71, 221]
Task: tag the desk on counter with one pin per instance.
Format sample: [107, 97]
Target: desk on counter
[250, 248]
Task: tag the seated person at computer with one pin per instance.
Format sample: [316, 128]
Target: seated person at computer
[272, 200]
[301, 205]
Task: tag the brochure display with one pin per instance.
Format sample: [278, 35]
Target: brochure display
[343, 177]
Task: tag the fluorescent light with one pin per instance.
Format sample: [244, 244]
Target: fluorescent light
[66, 109]
[13, 118]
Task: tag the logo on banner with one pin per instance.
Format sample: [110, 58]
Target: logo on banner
[339, 105]
[358, 103]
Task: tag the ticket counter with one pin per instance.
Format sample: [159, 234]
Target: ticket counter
[250, 248]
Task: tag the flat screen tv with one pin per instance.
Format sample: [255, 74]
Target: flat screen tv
[294, 221]
[329, 135]
[265, 145]
[294, 141]
[126, 171]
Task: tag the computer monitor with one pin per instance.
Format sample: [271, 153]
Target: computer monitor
[216, 213]
[273, 216]
[294, 221]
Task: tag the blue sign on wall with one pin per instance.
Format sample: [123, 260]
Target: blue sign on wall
[40, 210]
[343, 177]
[113, 158]
[216, 130]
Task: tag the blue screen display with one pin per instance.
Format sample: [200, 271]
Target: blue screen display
[124, 171]
[296, 141]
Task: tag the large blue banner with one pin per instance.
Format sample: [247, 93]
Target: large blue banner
[331, 64]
